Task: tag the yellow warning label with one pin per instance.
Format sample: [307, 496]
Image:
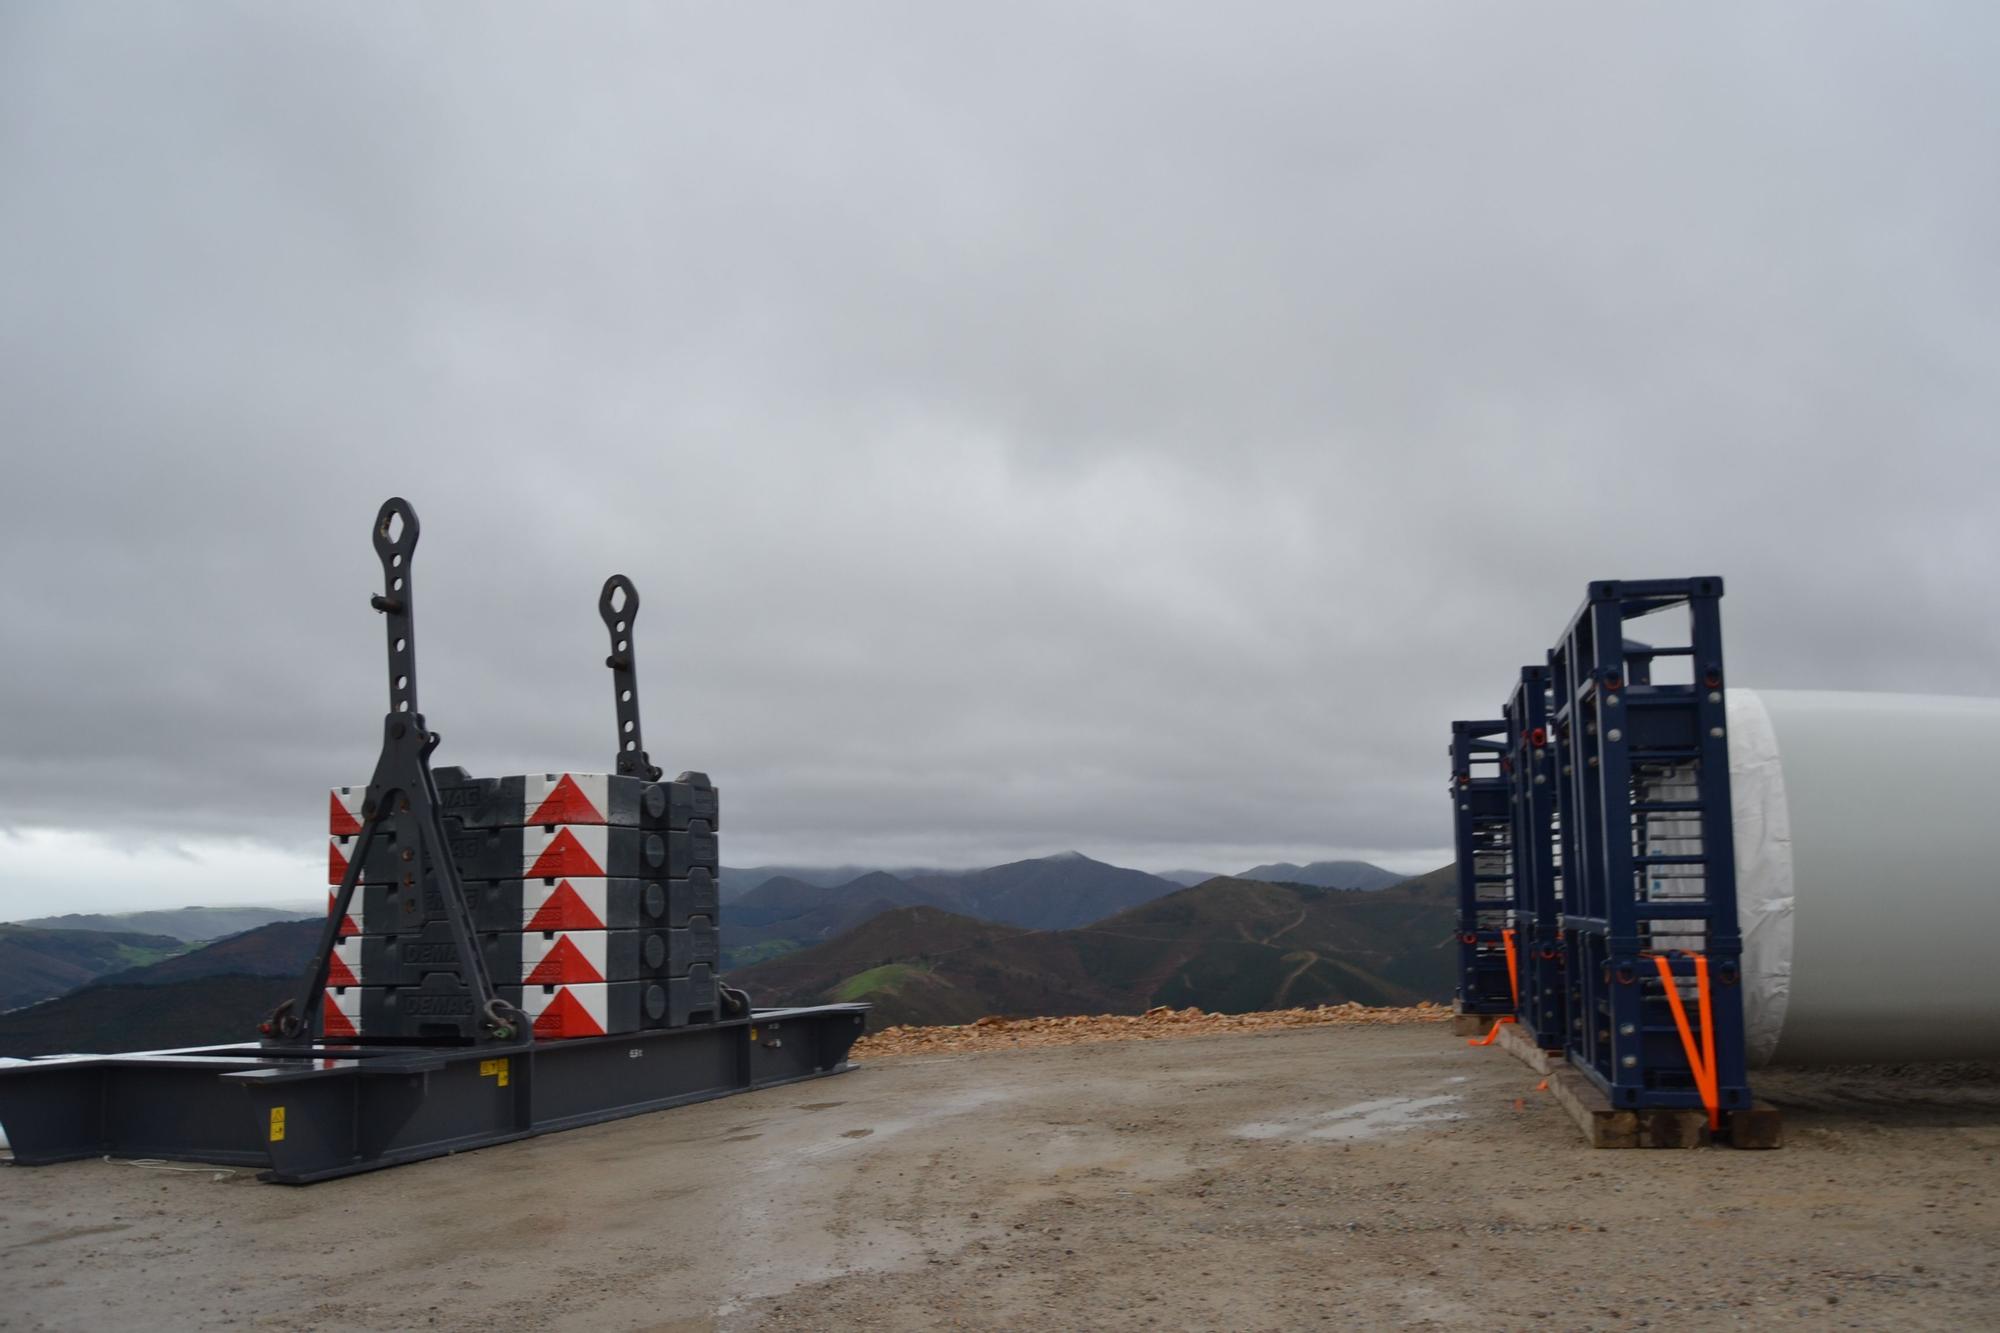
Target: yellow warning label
[494, 1069]
[753, 1034]
[277, 1124]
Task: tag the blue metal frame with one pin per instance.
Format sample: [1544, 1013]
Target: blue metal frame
[1649, 864]
[1483, 826]
[1533, 788]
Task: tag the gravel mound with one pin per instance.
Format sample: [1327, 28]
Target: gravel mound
[999, 1034]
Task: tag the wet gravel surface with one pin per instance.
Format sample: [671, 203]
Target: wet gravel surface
[1315, 1176]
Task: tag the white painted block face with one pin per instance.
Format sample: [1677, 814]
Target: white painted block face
[351, 923]
[568, 957]
[565, 798]
[344, 968]
[552, 851]
[341, 1014]
[567, 1011]
[343, 813]
[564, 905]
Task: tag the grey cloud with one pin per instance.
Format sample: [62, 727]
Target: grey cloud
[1134, 428]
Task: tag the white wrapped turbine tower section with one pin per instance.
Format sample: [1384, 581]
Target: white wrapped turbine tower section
[1867, 875]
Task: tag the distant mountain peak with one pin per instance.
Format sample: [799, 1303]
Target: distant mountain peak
[1325, 874]
[1066, 856]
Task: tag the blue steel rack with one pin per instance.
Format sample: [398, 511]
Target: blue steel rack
[1483, 827]
[1649, 880]
[1538, 935]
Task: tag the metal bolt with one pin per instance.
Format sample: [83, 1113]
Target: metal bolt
[1715, 731]
[1626, 1029]
[1715, 696]
[1630, 1061]
[1611, 699]
[1614, 735]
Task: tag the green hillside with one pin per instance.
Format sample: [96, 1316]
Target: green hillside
[37, 965]
[1229, 945]
[98, 1019]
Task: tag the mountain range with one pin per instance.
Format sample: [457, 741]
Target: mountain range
[38, 964]
[1325, 874]
[1044, 922]
[1046, 893]
[190, 925]
[1232, 945]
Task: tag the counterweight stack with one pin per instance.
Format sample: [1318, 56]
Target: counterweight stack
[501, 957]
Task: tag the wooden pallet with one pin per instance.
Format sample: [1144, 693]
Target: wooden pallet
[1472, 1025]
[1604, 1126]
[1514, 1040]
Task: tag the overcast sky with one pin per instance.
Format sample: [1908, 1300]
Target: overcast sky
[1139, 429]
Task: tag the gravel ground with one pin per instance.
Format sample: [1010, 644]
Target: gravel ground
[1345, 1176]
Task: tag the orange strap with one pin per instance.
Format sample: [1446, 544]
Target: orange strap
[1701, 1059]
[1513, 986]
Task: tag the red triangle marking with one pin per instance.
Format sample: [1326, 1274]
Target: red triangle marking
[566, 804]
[338, 820]
[566, 1017]
[332, 1022]
[565, 856]
[339, 974]
[336, 864]
[564, 910]
[563, 964]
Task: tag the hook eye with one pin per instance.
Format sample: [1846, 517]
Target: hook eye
[618, 602]
[395, 529]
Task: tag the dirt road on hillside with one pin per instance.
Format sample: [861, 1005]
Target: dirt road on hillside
[1339, 1177]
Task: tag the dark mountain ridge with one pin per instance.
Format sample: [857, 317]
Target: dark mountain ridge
[1228, 944]
[38, 964]
[1326, 874]
[187, 924]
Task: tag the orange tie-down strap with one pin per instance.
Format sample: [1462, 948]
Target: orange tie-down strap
[1513, 987]
[1701, 1059]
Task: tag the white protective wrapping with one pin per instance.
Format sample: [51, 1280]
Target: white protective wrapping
[1762, 827]
[1867, 887]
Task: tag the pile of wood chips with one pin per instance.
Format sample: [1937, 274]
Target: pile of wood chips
[1001, 1034]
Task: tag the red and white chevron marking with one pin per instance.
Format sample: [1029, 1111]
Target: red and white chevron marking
[351, 923]
[344, 968]
[563, 905]
[564, 959]
[546, 798]
[338, 848]
[340, 1015]
[567, 1011]
[343, 813]
[553, 851]
[566, 798]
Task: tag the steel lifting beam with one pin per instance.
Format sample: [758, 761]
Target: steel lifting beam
[1653, 948]
[1532, 793]
[317, 1111]
[1483, 835]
